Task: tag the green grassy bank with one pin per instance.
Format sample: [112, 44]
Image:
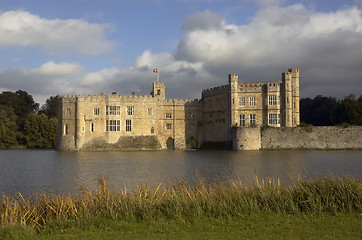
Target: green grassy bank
[254, 226]
[329, 208]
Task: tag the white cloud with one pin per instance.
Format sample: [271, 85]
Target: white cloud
[325, 46]
[20, 28]
[62, 69]
[279, 38]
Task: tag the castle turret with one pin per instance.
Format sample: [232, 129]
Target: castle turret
[295, 97]
[287, 99]
[290, 81]
[233, 84]
[158, 90]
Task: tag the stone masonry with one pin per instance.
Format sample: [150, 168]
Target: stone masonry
[115, 122]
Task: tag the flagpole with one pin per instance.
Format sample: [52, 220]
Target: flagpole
[155, 71]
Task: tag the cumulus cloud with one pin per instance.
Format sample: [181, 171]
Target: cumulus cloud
[21, 28]
[49, 79]
[206, 20]
[325, 46]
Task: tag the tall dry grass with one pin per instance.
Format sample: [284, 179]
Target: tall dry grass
[184, 201]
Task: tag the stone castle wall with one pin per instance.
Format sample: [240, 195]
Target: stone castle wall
[310, 137]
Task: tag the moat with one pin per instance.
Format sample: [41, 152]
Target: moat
[35, 171]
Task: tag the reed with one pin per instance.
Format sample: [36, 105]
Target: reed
[182, 201]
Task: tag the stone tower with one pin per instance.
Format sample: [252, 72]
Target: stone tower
[233, 83]
[158, 90]
[290, 99]
[295, 98]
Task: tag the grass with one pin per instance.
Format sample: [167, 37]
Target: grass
[189, 210]
[254, 226]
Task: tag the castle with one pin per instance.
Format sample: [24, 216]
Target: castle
[153, 122]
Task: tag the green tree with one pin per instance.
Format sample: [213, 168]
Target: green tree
[50, 108]
[318, 111]
[22, 103]
[327, 111]
[352, 110]
[8, 127]
[40, 131]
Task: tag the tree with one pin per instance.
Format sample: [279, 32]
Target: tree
[50, 108]
[318, 111]
[352, 110]
[8, 127]
[22, 103]
[327, 111]
[40, 131]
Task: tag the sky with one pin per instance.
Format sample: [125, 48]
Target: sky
[66, 47]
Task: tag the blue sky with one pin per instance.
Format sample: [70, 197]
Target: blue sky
[51, 47]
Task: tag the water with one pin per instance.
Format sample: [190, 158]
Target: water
[34, 171]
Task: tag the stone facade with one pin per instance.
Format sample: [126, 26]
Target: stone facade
[153, 122]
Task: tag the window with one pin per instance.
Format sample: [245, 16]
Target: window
[128, 125]
[65, 129]
[158, 92]
[92, 127]
[113, 125]
[191, 115]
[83, 129]
[252, 101]
[68, 112]
[252, 119]
[130, 110]
[241, 101]
[168, 115]
[113, 110]
[273, 100]
[168, 126]
[152, 130]
[273, 118]
[95, 111]
[149, 111]
[242, 120]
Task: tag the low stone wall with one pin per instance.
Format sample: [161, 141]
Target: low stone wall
[123, 143]
[311, 137]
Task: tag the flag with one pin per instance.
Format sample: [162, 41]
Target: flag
[155, 71]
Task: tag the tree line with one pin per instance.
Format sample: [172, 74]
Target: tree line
[24, 125]
[329, 111]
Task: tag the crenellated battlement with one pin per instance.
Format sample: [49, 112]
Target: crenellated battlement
[215, 91]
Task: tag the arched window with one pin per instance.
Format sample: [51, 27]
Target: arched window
[152, 130]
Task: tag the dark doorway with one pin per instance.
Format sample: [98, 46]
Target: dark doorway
[191, 143]
[170, 143]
